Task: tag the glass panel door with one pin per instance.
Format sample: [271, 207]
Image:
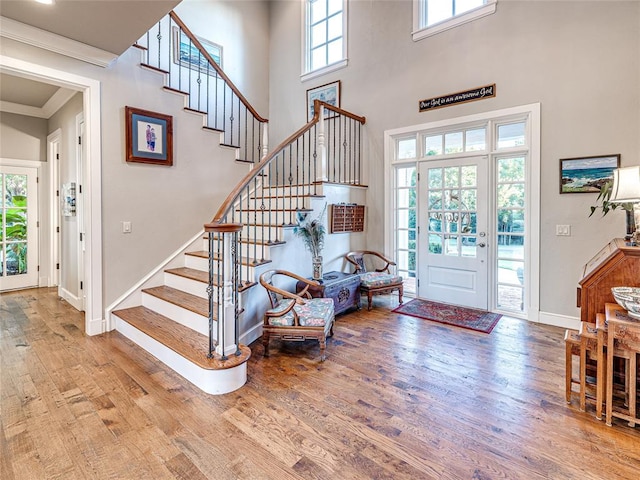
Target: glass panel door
[453, 249]
[18, 228]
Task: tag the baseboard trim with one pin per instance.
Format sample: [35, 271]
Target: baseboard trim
[557, 320]
[73, 300]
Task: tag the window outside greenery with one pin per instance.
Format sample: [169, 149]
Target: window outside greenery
[13, 225]
[510, 223]
[471, 140]
[406, 223]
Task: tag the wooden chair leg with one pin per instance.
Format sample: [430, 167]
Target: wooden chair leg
[323, 346]
[583, 375]
[370, 299]
[609, 401]
[400, 293]
[568, 371]
[633, 369]
[265, 343]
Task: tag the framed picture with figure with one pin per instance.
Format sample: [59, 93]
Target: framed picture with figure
[149, 137]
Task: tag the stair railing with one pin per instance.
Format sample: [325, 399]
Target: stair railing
[326, 149]
[171, 48]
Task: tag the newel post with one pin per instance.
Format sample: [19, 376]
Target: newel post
[223, 289]
[321, 175]
[265, 140]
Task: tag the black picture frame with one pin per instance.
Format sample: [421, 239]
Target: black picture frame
[587, 174]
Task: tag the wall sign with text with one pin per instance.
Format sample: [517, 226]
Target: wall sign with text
[472, 95]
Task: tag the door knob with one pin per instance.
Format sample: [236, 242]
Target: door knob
[482, 245]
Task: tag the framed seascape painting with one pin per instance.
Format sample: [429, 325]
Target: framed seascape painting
[587, 174]
[328, 93]
[186, 54]
[149, 137]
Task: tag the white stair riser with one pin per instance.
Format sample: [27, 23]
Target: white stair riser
[259, 232]
[186, 285]
[246, 250]
[196, 262]
[178, 314]
[272, 204]
[275, 218]
[293, 191]
[215, 382]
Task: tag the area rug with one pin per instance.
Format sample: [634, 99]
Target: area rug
[471, 318]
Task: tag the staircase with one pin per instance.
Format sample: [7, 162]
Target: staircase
[187, 314]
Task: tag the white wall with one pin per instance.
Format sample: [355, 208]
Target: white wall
[23, 137]
[579, 59]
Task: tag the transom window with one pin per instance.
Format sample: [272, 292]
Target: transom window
[325, 32]
[434, 16]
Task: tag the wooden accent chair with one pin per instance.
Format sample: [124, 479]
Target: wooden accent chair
[295, 317]
[374, 281]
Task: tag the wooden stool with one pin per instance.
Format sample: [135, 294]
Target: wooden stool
[572, 347]
[578, 345]
[623, 340]
[588, 344]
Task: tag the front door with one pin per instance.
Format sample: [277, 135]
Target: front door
[18, 228]
[452, 257]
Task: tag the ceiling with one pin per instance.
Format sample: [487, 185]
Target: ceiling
[109, 25]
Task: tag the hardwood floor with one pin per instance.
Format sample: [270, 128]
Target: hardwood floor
[397, 397]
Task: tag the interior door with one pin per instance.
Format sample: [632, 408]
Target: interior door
[18, 227]
[452, 258]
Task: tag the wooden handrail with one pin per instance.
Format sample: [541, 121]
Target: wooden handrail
[228, 203]
[217, 68]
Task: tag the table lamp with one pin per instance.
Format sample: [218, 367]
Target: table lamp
[626, 189]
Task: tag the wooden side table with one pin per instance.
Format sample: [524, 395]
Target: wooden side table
[343, 288]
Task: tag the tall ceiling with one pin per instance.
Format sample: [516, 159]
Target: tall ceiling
[109, 25]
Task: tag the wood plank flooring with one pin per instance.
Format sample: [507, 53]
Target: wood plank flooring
[398, 397]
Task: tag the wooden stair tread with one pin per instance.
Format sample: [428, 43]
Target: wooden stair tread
[251, 241]
[175, 90]
[212, 129]
[155, 69]
[195, 110]
[192, 273]
[182, 299]
[279, 210]
[303, 195]
[245, 260]
[185, 342]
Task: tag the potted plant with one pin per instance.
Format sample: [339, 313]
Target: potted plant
[606, 206]
[312, 232]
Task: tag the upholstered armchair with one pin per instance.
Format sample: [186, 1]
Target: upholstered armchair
[295, 317]
[375, 276]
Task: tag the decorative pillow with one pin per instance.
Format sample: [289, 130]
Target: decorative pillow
[359, 259]
[378, 279]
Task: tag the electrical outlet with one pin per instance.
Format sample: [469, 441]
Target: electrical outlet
[563, 230]
[126, 227]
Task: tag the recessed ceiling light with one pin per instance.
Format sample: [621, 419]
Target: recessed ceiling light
[46, 2]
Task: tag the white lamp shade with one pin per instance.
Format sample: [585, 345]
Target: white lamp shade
[626, 185]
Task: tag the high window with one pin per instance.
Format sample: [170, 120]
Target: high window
[434, 16]
[325, 35]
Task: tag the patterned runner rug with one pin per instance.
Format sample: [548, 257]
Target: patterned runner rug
[471, 318]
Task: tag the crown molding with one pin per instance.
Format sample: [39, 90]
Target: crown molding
[57, 100]
[23, 33]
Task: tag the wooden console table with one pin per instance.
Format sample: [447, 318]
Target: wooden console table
[343, 288]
